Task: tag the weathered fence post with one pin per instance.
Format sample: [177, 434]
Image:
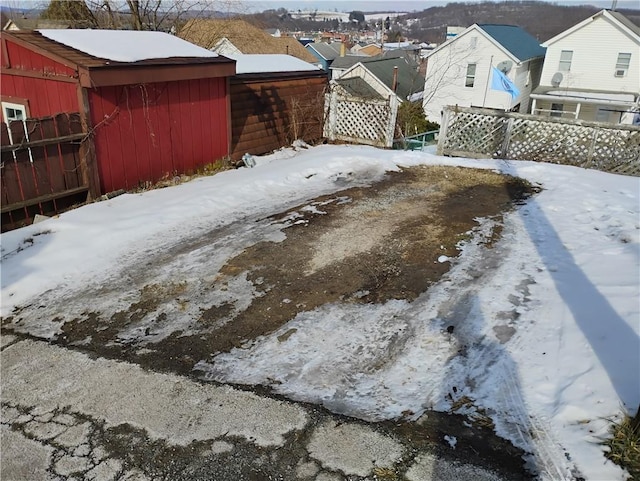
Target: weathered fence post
[443, 130]
[592, 147]
[504, 148]
[393, 115]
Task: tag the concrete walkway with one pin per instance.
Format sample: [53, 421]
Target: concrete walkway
[68, 416]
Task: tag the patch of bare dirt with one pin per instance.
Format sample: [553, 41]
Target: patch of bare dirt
[363, 245]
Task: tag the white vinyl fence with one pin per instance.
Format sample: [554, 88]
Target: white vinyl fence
[360, 120]
[474, 132]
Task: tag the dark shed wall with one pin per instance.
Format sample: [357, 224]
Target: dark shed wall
[267, 114]
[144, 133]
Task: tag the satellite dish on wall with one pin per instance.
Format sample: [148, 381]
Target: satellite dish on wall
[556, 79]
[505, 66]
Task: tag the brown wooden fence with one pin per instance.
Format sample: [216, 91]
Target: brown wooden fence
[43, 169]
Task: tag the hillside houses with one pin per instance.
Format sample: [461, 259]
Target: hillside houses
[233, 37]
[384, 76]
[591, 71]
[459, 72]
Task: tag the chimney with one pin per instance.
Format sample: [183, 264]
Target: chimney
[394, 85]
[343, 49]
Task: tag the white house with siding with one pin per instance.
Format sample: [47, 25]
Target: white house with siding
[459, 71]
[591, 71]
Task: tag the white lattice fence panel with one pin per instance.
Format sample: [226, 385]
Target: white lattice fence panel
[617, 151]
[468, 132]
[484, 133]
[550, 142]
[362, 121]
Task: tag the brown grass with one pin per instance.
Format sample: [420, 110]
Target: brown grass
[624, 445]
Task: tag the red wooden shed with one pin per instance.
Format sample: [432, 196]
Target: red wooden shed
[148, 117]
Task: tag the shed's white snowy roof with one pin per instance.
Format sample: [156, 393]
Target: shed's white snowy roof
[263, 63]
[126, 45]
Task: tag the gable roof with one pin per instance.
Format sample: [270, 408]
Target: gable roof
[270, 63]
[347, 61]
[516, 40]
[626, 22]
[409, 80]
[371, 49]
[94, 71]
[513, 40]
[247, 38]
[357, 87]
[616, 17]
[327, 51]
[34, 23]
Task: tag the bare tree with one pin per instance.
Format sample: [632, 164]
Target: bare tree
[442, 71]
[163, 15]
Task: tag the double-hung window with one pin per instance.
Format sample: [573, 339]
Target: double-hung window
[471, 75]
[622, 64]
[565, 60]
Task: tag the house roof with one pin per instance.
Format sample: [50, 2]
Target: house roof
[247, 38]
[267, 63]
[626, 22]
[357, 87]
[34, 23]
[616, 17]
[126, 45]
[516, 40]
[586, 95]
[371, 49]
[328, 51]
[95, 71]
[348, 61]
[409, 80]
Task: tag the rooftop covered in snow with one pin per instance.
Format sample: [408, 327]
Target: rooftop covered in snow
[126, 45]
[271, 63]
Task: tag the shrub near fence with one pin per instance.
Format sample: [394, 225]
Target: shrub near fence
[474, 132]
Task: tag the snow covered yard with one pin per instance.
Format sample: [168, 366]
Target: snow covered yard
[534, 331]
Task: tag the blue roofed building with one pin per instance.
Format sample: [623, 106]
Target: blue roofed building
[326, 53]
[464, 70]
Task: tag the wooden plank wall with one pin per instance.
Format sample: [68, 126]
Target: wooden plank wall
[46, 86]
[146, 133]
[41, 168]
[267, 114]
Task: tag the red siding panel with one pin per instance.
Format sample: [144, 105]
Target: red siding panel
[45, 97]
[156, 130]
[24, 59]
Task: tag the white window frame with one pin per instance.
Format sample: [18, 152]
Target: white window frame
[622, 64]
[10, 105]
[23, 109]
[566, 57]
[471, 76]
